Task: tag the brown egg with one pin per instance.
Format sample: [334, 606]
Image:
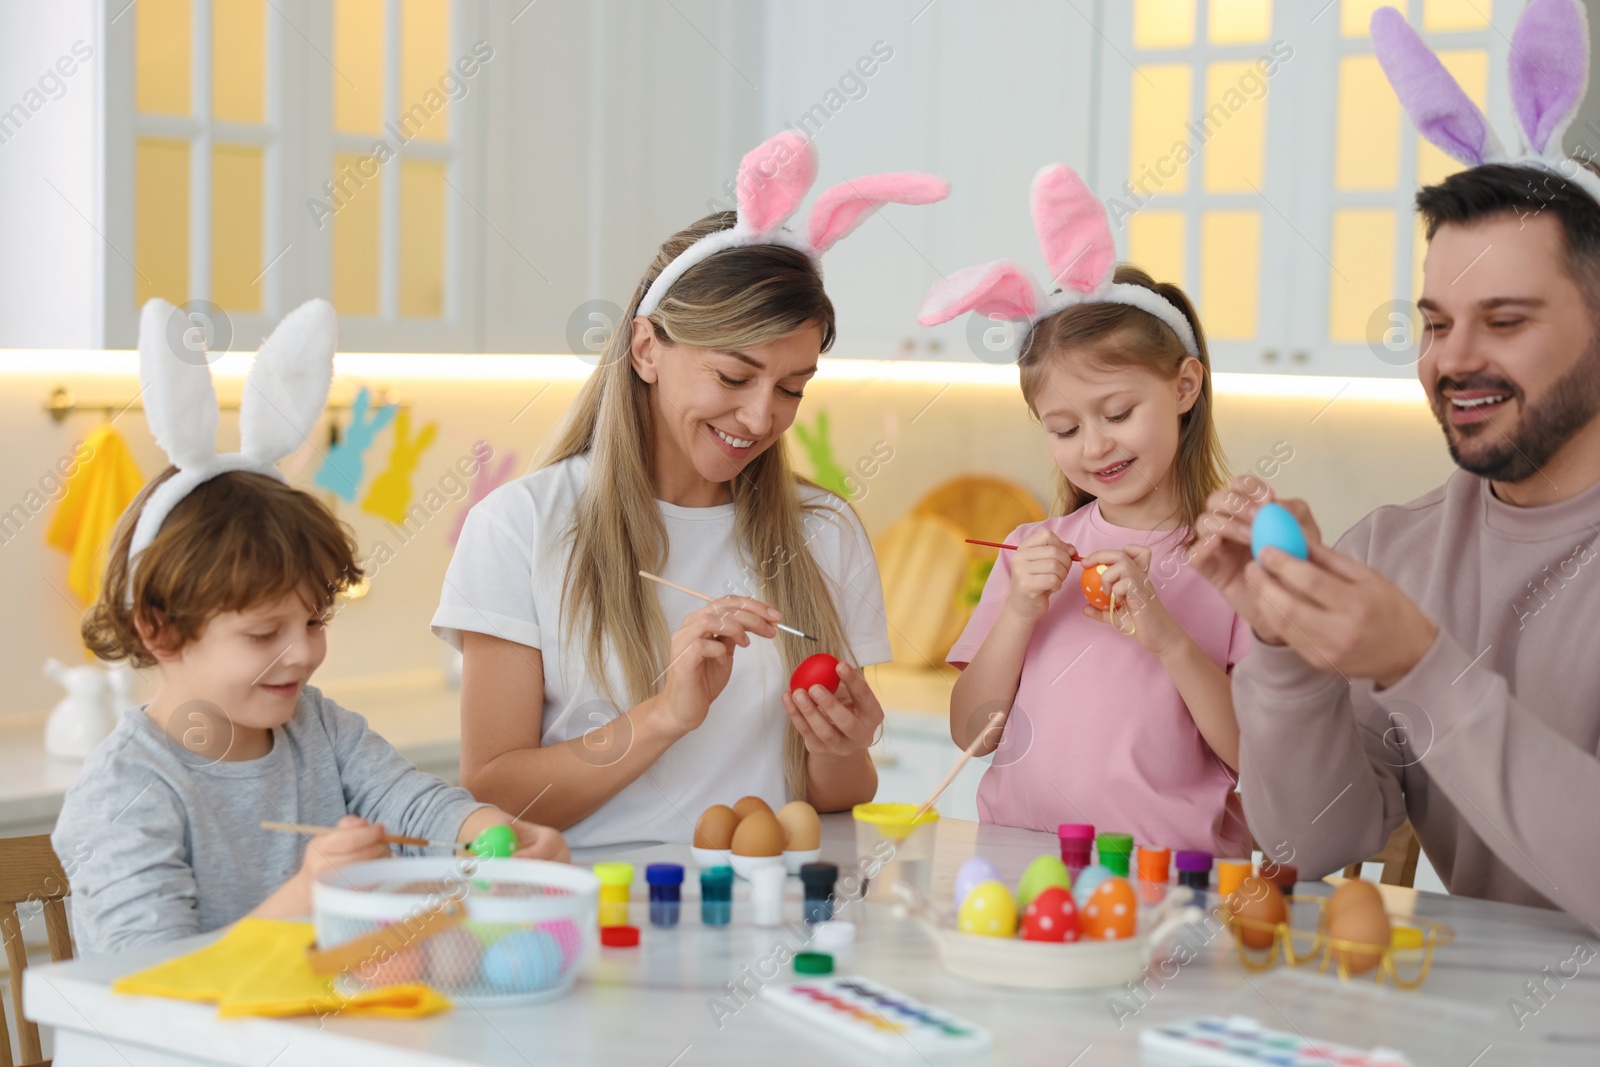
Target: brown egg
[1260, 900]
[715, 829]
[802, 830]
[745, 805]
[759, 834]
[1356, 914]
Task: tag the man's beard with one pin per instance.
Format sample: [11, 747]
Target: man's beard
[1542, 429]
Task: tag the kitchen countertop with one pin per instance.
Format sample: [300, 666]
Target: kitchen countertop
[654, 1004]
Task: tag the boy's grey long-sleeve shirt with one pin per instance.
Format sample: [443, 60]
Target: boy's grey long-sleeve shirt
[164, 844]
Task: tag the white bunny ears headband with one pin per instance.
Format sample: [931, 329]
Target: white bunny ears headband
[1549, 66]
[283, 399]
[773, 178]
[1075, 234]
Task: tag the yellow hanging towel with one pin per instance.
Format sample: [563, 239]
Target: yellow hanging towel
[98, 491]
[259, 968]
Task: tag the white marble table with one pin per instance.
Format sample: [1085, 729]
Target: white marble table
[656, 1004]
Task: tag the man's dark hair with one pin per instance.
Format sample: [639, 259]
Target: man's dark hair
[1492, 189]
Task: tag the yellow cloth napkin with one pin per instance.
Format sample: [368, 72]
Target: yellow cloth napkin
[259, 968]
[98, 491]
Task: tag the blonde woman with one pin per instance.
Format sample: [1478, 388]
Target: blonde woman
[613, 708]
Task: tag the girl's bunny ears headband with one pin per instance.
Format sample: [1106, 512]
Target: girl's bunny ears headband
[283, 399]
[1549, 76]
[1075, 235]
[773, 178]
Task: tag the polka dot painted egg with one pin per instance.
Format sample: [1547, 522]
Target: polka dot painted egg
[524, 962]
[989, 910]
[1112, 911]
[1051, 916]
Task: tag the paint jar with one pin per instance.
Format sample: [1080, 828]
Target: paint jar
[1077, 844]
[1114, 850]
[615, 881]
[818, 880]
[666, 892]
[716, 896]
[1194, 869]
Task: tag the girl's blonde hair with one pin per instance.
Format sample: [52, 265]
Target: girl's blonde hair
[1119, 335]
[737, 299]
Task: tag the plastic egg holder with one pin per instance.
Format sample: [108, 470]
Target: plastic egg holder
[1016, 963]
[530, 926]
[1326, 952]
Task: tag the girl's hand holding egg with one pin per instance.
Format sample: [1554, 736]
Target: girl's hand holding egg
[700, 658]
[842, 723]
[535, 842]
[1126, 581]
[1039, 568]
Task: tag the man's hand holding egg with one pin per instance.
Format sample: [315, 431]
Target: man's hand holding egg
[841, 722]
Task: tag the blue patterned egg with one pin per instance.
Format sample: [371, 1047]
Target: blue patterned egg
[1087, 881]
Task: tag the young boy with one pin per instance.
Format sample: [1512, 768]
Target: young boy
[230, 603]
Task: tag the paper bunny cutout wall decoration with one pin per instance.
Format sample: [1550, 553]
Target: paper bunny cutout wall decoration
[1549, 66]
[283, 398]
[390, 494]
[1075, 235]
[488, 478]
[342, 470]
[773, 178]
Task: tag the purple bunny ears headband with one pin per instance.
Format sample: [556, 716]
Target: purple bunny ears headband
[1549, 77]
[1075, 235]
[773, 178]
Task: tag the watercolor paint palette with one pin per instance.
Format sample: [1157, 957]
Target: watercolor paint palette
[882, 1021]
[1243, 1042]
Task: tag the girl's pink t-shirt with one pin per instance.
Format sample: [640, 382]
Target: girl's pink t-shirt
[1098, 732]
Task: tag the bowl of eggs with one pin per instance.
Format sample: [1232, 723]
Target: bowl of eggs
[1349, 931]
[1052, 932]
[750, 835]
[529, 926]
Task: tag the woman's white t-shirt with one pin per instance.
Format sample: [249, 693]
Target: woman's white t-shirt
[505, 580]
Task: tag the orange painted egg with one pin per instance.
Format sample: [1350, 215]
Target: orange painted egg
[1112, 911]
[1093, 591]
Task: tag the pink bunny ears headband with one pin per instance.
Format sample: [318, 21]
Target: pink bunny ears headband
[283, 399]
[773, 178]
[1549, 77]
[1075, 234]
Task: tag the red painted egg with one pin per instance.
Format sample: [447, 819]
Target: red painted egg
[1112, 911]
[821, 669]
[1093, 591]
[1052, 916]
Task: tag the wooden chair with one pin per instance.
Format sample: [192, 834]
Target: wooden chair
[29, 871]
[1399, 858]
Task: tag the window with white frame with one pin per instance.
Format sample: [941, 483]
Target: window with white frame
[1252, 151]
[282, 149]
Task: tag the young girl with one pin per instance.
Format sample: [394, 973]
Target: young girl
[222, 578]
[1122, 719]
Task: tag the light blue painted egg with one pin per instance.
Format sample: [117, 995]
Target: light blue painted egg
[1087, 881]
[524, 962]
[1276, 527]
[975, 870]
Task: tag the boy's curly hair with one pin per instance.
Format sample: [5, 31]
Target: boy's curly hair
[239, 539]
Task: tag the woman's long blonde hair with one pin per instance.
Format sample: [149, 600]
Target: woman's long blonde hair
[1120, 335]
[737, 299]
